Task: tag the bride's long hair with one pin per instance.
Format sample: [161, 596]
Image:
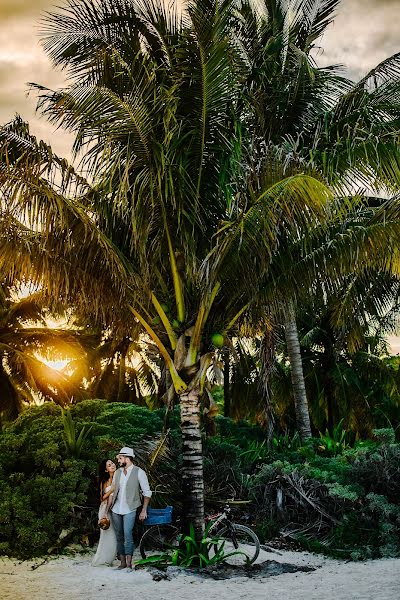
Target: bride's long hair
[103, 474]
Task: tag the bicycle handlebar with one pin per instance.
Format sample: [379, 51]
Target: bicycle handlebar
[233, 502]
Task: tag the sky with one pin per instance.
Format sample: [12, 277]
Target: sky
[363, 34]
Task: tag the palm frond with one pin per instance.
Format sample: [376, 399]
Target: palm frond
[294, 203]
[26, 309]
[387, 71]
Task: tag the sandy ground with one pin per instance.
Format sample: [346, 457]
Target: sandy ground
[75, 579]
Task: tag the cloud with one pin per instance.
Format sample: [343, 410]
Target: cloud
[383, 4]
[22, 60]
[10, 9]
[364, 33]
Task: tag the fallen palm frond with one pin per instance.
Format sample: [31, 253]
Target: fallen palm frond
[297, 482]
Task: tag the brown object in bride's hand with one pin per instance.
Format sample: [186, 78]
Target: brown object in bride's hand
[104, 523]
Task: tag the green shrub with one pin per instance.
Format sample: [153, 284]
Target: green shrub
[286, 443]
[336, 443]
[372, 531]
[385, 436]
[222, 470]
[238, 433]
[353, 498]
[378, 471]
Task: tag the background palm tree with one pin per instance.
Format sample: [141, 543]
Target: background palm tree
[344, 343]
[25, 344]
[346, 131]
[124, 370]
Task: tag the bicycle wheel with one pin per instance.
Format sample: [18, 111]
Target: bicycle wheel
[240, 540]
[158, 539]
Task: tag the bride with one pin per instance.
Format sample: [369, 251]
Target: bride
[107, 548]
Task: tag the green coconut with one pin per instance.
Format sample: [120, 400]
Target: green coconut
[217, 340]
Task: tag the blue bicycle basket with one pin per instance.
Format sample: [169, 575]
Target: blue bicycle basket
[158, 516]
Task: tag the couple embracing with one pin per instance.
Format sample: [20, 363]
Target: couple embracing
[119, 500]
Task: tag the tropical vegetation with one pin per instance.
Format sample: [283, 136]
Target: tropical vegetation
[330, 494]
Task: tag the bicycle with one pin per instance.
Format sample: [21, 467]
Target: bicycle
[240, 542]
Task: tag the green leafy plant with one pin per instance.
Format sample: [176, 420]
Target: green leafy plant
[72, 439]
[337, 442]
[256, 452]
[190, 553]
[385, 436]
[286, 442]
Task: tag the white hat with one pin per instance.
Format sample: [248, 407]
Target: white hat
[125, 451]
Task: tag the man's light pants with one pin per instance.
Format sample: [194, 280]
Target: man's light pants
[123, 525]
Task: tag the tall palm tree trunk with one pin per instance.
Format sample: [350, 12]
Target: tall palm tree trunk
[267, 360]
[227, 384]
[297, 375]
[329, 389]
[192, 461]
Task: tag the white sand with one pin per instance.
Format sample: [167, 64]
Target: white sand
[75, 579]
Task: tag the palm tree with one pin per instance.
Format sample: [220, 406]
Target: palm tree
[345, 337]
[343, 263]
[167, 232]
[123, 369]
[25, 344]
[340, 310]
[346, 131]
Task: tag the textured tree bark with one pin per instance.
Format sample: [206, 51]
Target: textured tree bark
[267, 360]
[227, 389]
[297, 374]
[192, 463]
[328, 390]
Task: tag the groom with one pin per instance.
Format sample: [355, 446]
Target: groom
[128, 481]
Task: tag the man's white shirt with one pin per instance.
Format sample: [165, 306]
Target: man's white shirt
[121, 506]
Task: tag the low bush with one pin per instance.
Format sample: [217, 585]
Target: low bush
[345, 505]
[327, 495]
[222, 470]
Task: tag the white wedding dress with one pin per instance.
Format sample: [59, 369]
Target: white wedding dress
[107, 548]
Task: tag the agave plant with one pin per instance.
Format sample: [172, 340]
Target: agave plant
[73, 440]
[337, 442]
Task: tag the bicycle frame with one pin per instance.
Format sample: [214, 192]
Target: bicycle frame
[220, 518]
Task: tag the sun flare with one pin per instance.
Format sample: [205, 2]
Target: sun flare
[57, 365]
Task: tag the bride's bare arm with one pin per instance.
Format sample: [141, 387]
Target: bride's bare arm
[109, 500]
[107, 494]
